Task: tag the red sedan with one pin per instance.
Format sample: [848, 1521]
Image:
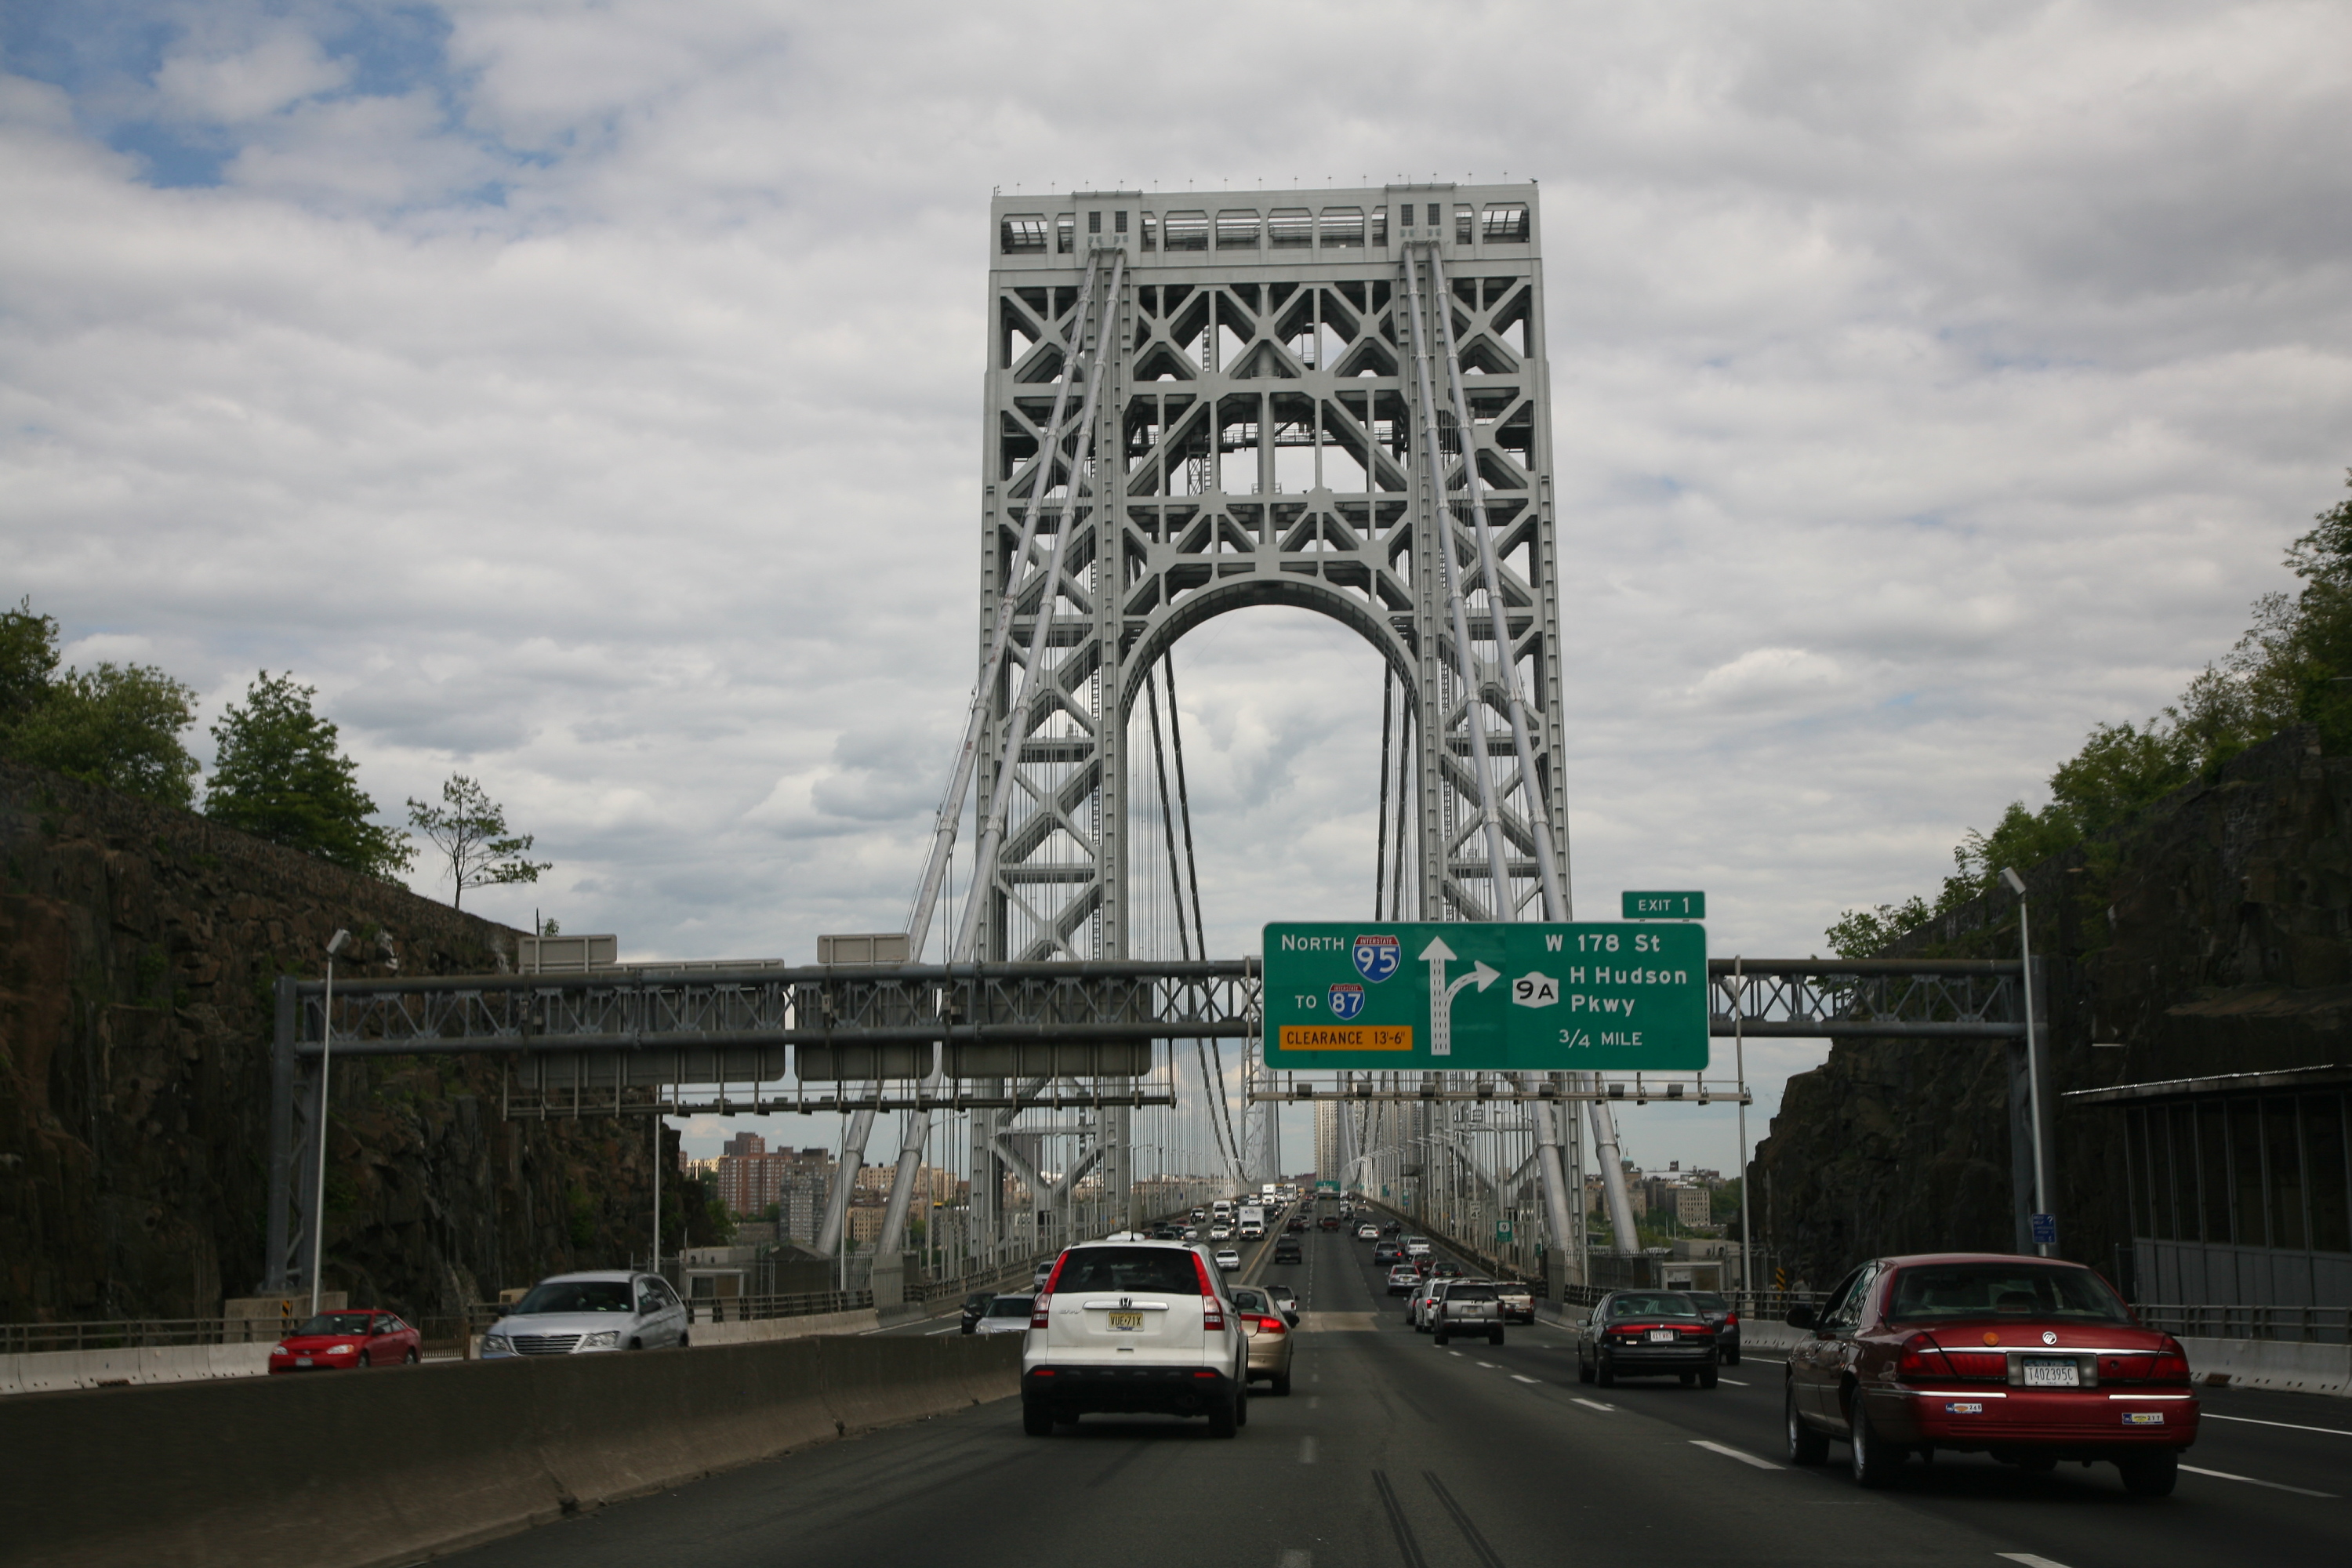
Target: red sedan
[2028, 1359]
[363, 1337]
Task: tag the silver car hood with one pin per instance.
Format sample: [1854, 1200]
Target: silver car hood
[565, 1324]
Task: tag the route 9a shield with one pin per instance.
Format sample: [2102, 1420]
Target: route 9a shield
[1588, 997]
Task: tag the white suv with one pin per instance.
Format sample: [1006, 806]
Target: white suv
[1134, 1325]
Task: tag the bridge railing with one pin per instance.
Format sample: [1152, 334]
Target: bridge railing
[2311, 1325]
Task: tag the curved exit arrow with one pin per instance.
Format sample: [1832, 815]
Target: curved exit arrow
[1440, 994]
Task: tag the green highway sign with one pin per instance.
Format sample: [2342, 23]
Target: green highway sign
[1422, 996]
[1663, 906]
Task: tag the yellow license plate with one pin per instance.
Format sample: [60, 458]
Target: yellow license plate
[1131, 1321]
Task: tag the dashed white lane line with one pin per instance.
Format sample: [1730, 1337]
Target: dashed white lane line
[2029, 1559]
[1314, 1402]
[1306, 1450]
[1729, 1452]
[1294, 1558]
[2250, 1480]
[2291, 1426]
[1488, 1365]
[1733, 1381]
[1517, 1378]
[1593, 1404]
[1454, 1353]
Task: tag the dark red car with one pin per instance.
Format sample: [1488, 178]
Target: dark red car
[2028, 1359]
[363, 1336]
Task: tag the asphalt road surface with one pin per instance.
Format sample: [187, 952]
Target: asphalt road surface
[1392, 1451]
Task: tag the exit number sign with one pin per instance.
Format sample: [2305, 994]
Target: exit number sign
[1663, 906]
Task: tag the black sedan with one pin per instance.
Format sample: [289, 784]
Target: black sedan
[1717, 1310]
[975, 1307]
[1646, 1333]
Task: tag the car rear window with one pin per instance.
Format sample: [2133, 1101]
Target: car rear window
[2020, 1290]
[1165, 1270]
[1470, 1292]
[337, 1323]
[1708, 1302]
[1009, 1307]
[1653, 1304]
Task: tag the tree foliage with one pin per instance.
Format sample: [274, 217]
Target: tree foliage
[469, 833]
[2293, 665]
[279, 775]
[117, 725]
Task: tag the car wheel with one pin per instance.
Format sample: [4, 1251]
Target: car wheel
[1877, 1463]
[410, 1359]
[1706, 1378]
[636, 1344]
[1035, 1419]
[1222, 1422]
[1603, 1375]
[1687, 1379]
[682, 1339]
[2151, 1475]
[1583, 1370]
[1068, 1419]
[1280, 1386]
[1731, 1357]
[1240, 1405]
[1494, 1336]
[1806, 1446]
[1439, 1336]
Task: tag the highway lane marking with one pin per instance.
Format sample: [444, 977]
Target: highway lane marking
[1488, 1365]
[2275, 1486]
[1314, 1402]
[2029, 1559]
[1517, 1378]
[1728, 1452]
[1306, 1450]
[1733, 1381]
[2291, 1426]
[1590, 1404]
[934, 1333]
[1454, 1353]
[1294, 1558]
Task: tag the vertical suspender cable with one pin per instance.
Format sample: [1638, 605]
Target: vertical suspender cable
[1231, 1143]
[1381, 853]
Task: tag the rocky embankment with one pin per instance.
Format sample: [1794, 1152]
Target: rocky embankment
[2212, 936]
[137, 950]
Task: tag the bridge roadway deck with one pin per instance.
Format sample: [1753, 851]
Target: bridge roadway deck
[1392, 1451]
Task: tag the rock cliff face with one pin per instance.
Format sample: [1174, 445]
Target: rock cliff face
[2212, 936]
[137, 950]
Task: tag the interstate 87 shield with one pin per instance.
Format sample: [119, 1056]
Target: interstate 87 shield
[1421, 997]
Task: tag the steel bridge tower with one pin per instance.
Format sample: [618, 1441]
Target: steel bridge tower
[1333, 399]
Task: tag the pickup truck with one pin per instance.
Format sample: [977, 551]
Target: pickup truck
[1466, 1306]
[1519, 1302]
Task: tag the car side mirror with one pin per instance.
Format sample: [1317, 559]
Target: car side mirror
[1800, 1317]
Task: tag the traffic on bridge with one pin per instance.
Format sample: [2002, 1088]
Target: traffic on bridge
[1388, 1445]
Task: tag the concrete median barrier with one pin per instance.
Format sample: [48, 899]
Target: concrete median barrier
[358, 1470]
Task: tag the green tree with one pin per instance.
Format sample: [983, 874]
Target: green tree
[279, 775]
[28, 658]
[116, 725]
[469, 833]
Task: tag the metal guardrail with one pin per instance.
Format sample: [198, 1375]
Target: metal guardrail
[800, 1304]
[158, 1333]
[2309, 1325]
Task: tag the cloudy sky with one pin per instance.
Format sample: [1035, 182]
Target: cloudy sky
[586, 397]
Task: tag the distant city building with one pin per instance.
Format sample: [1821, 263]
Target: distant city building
[1329, 1154]
[750, 1178]
[1694, 1205]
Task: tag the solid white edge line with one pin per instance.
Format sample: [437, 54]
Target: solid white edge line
[2290, 1425]
[2029, 1559]
[1728, 1452]
[1733, 1381]
[934, 1333]
[1592, 1405]
[2252, 1481]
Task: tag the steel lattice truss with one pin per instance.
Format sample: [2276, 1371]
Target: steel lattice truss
[1255, 444]
[1908, 998]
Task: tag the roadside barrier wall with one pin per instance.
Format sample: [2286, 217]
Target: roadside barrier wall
[38, 1371]
[362, 1469]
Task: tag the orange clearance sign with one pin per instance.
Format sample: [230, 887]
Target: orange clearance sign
[1341, 1038]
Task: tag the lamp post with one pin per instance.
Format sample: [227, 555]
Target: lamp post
[335, 944]
[2016, 884]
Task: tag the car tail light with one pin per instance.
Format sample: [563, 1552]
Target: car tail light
[1040, 1310]
[1730, 1319]
[1273, 1326]
[1212, 1308]
[1701, 1329]
[2171, 1362]
[1989, 1365]
[1922, 1357]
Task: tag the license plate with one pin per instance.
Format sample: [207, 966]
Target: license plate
[1127, 1322]
[301, 1361]
[1662, 1336]
[2052, 1372]
[2143, 1417]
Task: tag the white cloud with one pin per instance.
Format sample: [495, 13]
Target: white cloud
[591, 407]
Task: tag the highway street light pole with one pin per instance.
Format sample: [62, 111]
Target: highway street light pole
[335, 944]
[2016, 884]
